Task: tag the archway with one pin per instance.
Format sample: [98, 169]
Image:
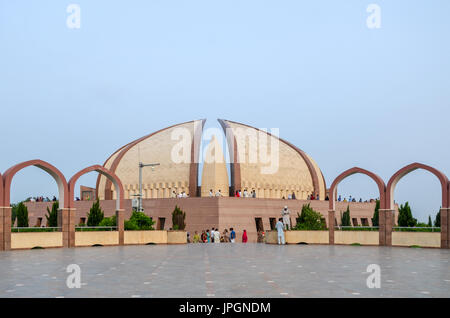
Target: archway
[114, 179]
[332, 197]
[408, 169]
[108, 174]
[62, 189]
[380, 183]
[445, 235]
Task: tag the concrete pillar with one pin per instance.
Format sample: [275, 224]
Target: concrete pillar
[72, 213]
[2, 231]
[331, 216]
[120, 219]
[445, 224]
[381, 227]
[5, 228]
[386, 222]
[389, 221]
[63, 223]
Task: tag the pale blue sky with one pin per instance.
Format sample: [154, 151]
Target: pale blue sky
[345, 94]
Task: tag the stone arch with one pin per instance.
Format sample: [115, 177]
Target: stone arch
[51, 170]
[380, 183]
[410, 168]
[112, 177]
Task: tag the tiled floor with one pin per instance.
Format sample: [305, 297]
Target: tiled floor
[226, 270]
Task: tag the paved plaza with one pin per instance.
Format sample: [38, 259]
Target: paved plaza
[226, 270]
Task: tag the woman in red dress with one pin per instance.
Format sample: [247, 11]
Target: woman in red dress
[244, 237]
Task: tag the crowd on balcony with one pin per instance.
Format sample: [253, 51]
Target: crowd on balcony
[42, 199]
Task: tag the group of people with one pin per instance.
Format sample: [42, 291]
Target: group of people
[42, 199]
[214, 236]
[182, 194]
[284, 223]
[245, 194]
[350, 199]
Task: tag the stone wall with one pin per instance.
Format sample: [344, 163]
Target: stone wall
[27, 240]
[206, 213]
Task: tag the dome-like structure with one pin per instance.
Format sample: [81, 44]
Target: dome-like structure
[160, 147]
[289, 171]
[295, 172]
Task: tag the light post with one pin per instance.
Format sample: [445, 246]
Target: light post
[142, 165]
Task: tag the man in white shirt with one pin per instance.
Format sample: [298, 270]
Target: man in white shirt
[280, 229]
[216, 236]
[210, 192]
[212, 235]
[286, 219]
[218, 193]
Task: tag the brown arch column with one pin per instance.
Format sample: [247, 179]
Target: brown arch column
[63, 212]
[332, 197]
[114, 179]
[445, 239]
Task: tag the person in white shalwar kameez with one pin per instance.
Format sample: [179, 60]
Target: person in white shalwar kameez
[286, 219]
[280, 229]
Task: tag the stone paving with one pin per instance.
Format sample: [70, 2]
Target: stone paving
[226, 270]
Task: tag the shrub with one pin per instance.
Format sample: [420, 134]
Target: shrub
[139, 221]
[95, 215]
[309, 219]
[178, 217]
[22, 215]
[130, 226]
[52, 216]
[111, 221]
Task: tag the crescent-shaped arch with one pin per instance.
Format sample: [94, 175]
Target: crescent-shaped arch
[235, 167]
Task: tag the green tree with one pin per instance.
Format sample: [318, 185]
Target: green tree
[52, 216]
[437, 220]
[375, 219]
[13, 213]
[178, 217]
[139, 221]
[22, 215]
[95, 215]
[345, 218]
[110, 221]
[430, 224]
[309, 219]
[405, 217]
